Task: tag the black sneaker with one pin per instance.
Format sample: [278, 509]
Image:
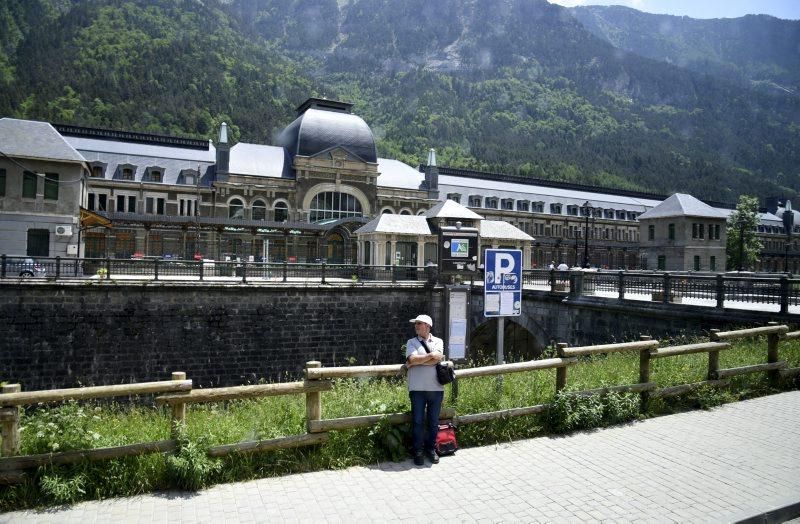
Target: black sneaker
[419, 460]
[434, 458]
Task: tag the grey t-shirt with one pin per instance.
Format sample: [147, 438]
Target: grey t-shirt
[423, 378]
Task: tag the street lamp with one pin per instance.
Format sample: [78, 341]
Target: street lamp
[587, 210]
[788, 223]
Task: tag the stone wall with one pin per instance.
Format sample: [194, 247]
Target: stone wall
[62, 335]
[66, 334]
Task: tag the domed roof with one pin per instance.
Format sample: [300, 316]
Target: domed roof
[317, 130]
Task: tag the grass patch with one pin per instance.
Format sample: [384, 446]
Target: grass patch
[73, 425]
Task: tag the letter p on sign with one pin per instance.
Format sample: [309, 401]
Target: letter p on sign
[503, 264]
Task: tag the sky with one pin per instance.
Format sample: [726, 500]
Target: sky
[788, 9]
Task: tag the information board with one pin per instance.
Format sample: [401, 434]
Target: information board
[502, 295]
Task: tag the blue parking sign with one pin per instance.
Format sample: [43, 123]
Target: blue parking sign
[502, 287]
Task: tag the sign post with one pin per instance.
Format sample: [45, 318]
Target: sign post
[502, 292]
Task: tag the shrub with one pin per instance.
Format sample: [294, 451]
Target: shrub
[191, 468]
[63, 428]
[61, 489]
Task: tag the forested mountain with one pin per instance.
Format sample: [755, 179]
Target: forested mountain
[515, 86]
[756, 49]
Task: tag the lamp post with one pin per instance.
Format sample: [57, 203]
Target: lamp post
[587, 210]
[741, 245]
[788, 224]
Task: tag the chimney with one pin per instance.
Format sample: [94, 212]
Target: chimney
[223, 153]
[432, 176]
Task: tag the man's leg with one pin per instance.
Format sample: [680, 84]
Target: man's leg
[434, 402]
[417, 422]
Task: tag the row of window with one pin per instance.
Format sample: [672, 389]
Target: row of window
[30, 182]
[777, 230]
[697, 263]
[151, 174]
[698, 231]
[510, 204]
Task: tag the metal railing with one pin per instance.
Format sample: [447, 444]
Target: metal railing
[15, 267]
[778, 292]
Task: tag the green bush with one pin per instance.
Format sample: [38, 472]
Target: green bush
[63, 489]
[570, 412]
[191, 468]
[63, 428]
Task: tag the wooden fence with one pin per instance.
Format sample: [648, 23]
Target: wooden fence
[178, 393]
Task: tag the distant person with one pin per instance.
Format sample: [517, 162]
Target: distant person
[424, 389]
[552, 265]
[563, 266]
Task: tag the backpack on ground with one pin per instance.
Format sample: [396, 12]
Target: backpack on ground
[446, 443]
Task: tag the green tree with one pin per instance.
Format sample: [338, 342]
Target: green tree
[743, 244]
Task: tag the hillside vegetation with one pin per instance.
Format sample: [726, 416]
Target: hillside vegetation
[514, 86]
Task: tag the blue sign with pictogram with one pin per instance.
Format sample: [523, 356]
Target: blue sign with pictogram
[502, 295]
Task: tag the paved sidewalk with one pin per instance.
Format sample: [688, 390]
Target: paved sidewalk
[722, 465]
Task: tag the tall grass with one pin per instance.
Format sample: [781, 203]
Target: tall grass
[92, 425]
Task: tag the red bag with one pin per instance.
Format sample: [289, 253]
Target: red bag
[446, 443]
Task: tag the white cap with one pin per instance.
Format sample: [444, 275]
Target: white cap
[422, 318]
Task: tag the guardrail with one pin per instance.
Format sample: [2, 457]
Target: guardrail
[178, 394]
[202, 270]
[709, 290]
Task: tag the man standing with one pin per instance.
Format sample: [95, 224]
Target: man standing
[424, 390]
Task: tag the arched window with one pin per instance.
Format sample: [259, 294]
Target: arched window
[332, 204]
[387, 211]
[259, 210]
[281, 212]
[236, 209]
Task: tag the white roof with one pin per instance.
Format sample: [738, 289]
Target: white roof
[466, 186]
[32, 139]
[142, 150]
[399, 224]
[683, 205]
[451, 209]
[256, 160]
[394, 173]
[502, 230]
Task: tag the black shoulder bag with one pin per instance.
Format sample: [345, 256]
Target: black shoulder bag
[444, 373]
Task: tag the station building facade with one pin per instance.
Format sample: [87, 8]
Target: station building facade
[319, 193]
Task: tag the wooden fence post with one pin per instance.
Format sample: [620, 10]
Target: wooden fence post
[561, 373]
[644, 375]
[772, 355]
[713, 360]
[9, 422]
[313, 399]
[178, 408]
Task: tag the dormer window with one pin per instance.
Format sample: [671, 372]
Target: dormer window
[475, 201]
[455, 197]
[153, 174]
[620, 215]
[537, 207]
[127, 174]
[188, 177]
[523, 205]
[555, 209]
[491, 203]
[572, 210]
[508, 204]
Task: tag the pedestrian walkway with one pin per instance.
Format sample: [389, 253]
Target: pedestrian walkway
[727, 464]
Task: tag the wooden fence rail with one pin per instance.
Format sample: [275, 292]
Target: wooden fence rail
[178, 394]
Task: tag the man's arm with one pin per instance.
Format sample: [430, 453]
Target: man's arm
[422, 359]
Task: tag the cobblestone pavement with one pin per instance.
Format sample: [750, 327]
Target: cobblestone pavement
[726, 464]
